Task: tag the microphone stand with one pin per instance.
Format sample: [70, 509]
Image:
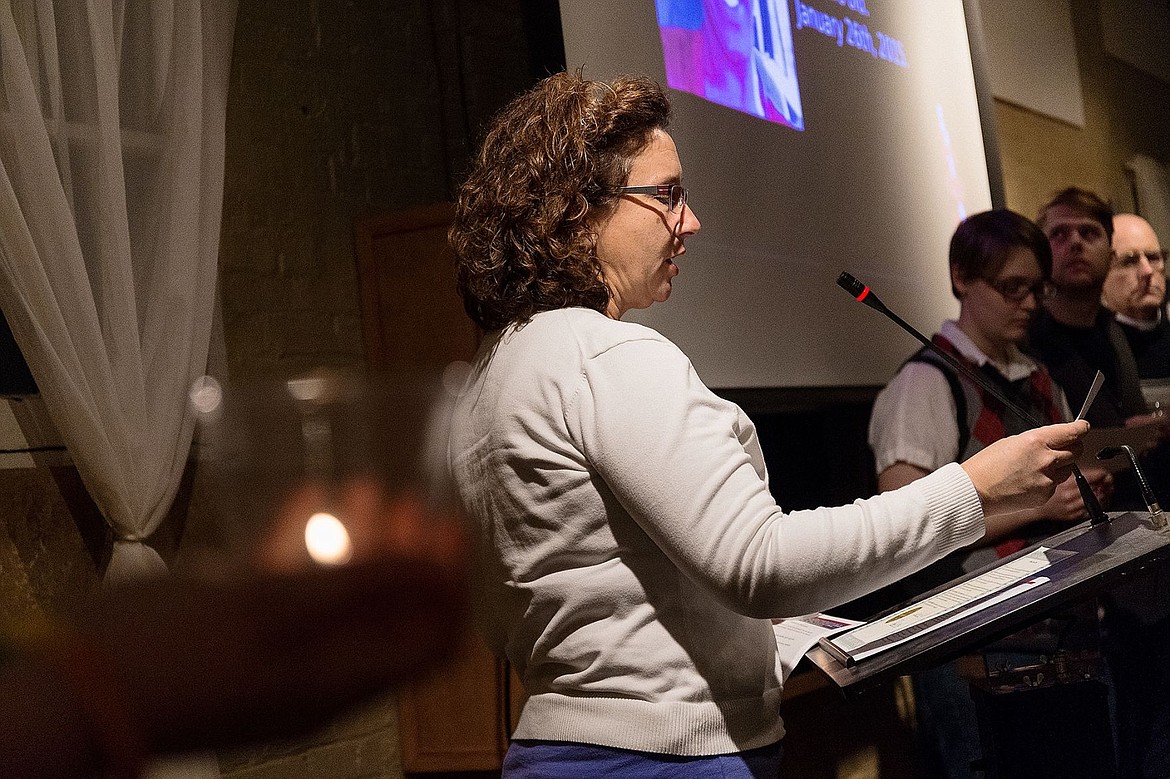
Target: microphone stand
[1151, 500]
[864, 294]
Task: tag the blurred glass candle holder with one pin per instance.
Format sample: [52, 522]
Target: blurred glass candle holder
[329, 467]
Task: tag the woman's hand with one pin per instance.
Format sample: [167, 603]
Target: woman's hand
[1023, 471]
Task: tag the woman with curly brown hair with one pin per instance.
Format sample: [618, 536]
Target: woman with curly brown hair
[631, 554]
[525, 226]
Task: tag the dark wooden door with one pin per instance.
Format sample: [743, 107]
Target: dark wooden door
[456, 720]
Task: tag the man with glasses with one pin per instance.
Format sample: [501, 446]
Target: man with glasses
[1136, 290]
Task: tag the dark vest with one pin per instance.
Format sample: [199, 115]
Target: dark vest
[981, 417]
[982, 420]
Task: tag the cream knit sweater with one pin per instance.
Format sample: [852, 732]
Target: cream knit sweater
[630, 553]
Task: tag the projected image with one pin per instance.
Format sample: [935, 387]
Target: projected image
[737, 53]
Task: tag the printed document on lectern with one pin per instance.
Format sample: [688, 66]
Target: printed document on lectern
[797, 635]
[944, 608]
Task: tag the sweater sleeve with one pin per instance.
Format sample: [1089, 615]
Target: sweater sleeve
[680, 461]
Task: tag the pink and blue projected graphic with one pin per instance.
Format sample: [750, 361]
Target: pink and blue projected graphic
[737, 53]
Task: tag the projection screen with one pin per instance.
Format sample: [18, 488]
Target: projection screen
[815, 137]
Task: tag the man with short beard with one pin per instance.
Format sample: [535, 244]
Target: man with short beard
[1074, 335]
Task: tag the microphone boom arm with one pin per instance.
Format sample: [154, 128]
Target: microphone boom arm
[864, 294]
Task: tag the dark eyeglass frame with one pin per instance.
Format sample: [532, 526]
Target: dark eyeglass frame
[1017, 290]
[675, 194]
[1131, 259]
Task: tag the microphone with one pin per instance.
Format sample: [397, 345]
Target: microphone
[863, 294]
[1148, 496]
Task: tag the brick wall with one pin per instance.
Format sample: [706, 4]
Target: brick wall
[339, 109]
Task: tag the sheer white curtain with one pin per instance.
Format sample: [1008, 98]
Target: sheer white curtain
[111, 189]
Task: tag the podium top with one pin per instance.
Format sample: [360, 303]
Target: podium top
[1097, 557]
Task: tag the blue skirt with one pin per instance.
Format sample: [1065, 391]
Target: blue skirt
[566, 760]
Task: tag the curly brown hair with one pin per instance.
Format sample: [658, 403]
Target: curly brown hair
[551, 165]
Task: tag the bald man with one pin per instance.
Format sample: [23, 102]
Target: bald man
[1137, 635]
[1135, 289]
